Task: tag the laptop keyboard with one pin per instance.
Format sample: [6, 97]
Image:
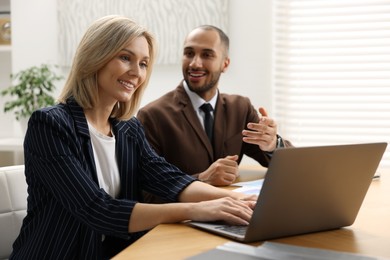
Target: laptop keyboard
[239, 230]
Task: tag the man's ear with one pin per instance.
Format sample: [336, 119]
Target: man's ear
[225, 64]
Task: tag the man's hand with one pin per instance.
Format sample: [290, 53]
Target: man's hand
[222, 172]
[262, 133]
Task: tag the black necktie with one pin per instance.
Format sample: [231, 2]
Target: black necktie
[208, 119]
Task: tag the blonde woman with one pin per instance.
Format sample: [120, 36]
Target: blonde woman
[87, 160]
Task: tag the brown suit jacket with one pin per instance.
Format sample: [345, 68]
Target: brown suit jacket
[173, 129]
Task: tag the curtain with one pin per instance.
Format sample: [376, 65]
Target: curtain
[331, 71]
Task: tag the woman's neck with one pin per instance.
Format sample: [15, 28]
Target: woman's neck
[98, 118]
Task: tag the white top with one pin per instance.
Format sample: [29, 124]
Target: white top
[105, 160]
[197, 102]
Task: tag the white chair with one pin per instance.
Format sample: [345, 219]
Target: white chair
[13, 205]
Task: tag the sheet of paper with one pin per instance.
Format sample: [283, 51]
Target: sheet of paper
[278, 251]
[272, 250]
[249, 187]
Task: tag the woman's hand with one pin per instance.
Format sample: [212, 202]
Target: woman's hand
[251, 198]
[229, 210]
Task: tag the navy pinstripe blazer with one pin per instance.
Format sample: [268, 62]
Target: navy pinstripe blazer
[67, 211]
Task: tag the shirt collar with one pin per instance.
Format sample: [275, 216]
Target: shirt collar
[196, 100]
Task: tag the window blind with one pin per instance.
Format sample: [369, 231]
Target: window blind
[331, 73]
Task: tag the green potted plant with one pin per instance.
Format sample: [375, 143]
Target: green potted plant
[33, 89]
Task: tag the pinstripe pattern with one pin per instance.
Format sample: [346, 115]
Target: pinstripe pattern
[67, 211]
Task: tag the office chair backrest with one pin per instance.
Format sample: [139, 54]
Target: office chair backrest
[13, 205]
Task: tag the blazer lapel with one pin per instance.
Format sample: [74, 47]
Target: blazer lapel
[120, 129]
[81, 126]
[219, 127]
[191, 117]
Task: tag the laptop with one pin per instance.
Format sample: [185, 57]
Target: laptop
[308, 189]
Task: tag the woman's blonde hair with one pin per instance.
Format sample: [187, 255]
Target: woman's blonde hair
[102, 41]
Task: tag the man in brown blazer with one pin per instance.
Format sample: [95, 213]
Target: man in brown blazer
[174, 123]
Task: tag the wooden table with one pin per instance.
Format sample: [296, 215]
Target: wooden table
[369, 235]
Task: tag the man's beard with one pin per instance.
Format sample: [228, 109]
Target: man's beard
[204, 88]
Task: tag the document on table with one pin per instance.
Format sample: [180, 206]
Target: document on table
[276, 251]
[249, 187]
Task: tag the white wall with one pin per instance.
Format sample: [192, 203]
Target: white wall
[34, 33]
[34, 38]
[34, 28]
[250, 35]
[5, 71]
